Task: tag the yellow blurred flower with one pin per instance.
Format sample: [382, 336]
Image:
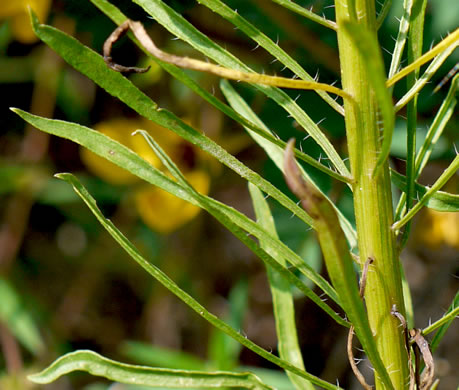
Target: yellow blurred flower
[159, 210]
[165, 212]
[18, 12]
[119, 130]
[438, 228]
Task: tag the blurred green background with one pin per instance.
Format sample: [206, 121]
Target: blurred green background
[65, 285]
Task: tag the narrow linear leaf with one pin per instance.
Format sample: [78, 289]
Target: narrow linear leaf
[401, 37]
[446, 175]
[93, 66]
[284, 311]
[181, 28]
[367, 44]
[439, 201]
[98, 365]
[274, 49]
[236, 222]
[176, 290]
[274, 151]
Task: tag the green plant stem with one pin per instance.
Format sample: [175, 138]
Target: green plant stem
[372, 197]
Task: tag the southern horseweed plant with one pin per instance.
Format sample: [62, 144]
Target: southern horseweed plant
[376, 310]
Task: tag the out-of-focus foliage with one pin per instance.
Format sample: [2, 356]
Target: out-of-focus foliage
[64, 283]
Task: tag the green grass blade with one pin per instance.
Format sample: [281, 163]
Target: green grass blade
[175, 289]
[181, 28]
[439, 201]
[236, 222]
[223, 351]
[443, 323]
[266, 43]
[284, 311]
[15, 316]
[93, 66]
[290, 5]
[98, 365]
[367, 44]
[446, 175]
[275, 153]
[401, 37]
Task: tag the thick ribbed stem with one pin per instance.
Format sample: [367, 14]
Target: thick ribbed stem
[372, 197]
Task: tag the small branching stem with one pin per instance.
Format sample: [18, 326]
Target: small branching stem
[202, 66]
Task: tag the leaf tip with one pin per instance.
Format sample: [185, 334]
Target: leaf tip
[19, 112]
[64, 176]
[33, 19]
